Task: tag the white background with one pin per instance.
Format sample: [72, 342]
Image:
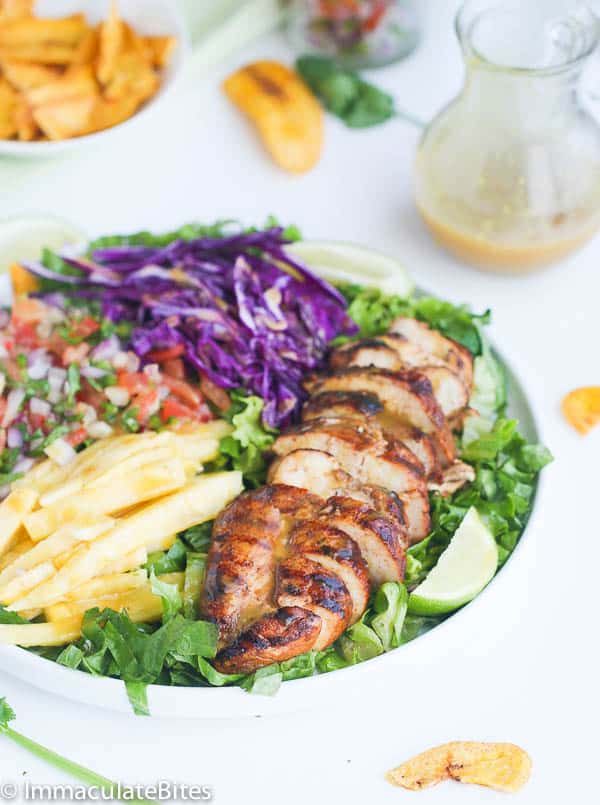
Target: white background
[526, 669]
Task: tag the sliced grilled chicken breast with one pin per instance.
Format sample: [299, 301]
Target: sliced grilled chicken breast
[304, 583]
[365, 406]
[361, 450]
[248, 537]
[416, 514]
[386, 352]
[407, 396]
[382, 540]
[337, 552]
[275, 637]
[309, 469]
[452, 353]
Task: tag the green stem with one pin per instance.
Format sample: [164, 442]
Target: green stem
[88, 777]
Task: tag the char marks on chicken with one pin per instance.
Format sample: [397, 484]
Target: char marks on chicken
[292, 565]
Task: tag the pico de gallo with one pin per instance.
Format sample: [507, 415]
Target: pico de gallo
[66, 380]
[359, 33]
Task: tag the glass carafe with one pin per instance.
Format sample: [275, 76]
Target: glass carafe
[508, 174]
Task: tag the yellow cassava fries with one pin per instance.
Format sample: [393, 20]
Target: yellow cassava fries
[23, 546]
[13, 510]
[27, 129]
[502, 766]
[60, 120]
[140, 603]
[131, 561]
[162, 544]
[40, 634]
[287, 115]
[113, 584]
[152, 481]
[132, 77]
[26, 582]
[65, 538]
[80, 83]
[199, 501]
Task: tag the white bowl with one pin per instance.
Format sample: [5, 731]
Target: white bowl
[301, 694]
[148, 17]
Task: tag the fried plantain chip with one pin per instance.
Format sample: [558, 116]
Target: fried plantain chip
[133, 77]
[581, 408]
[502, 766]
[66, 118]
[112, 33]
[27, 128]
[37, 31]
[41, 53]
[161, 49]
[13, 9]
[78, 82]
[24, 75]
[288, 117]
[8, 107]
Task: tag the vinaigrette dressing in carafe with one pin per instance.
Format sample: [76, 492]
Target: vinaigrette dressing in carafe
[508, 175]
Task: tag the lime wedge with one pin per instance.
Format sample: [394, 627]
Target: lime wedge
[25, 237]
[347, 262]
[462, 571]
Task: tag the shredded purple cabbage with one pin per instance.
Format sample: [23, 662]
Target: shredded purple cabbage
[247, 314]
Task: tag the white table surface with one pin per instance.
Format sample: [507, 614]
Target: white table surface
[527, 669]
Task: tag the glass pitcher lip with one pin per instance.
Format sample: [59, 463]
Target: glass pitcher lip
[463, 37]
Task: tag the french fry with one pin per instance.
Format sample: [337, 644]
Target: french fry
[288, 117]
[161, 49]
[216, 429]
[107, 114]
[12, 513]
[13, 9]
[25, 75]
[65, 538]
[87, 49]
[153, 481]
[200, 500]
[40, 634]
[111, 38]
[32, 31]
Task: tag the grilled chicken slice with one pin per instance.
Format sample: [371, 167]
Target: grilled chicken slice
[248, 537]
[309, 469]
[304, 583]
[416, 514]
[407, 396]
[361, 450]
[337, 552]
[365, 406]
[431, 341]
[382, 539]
[454, 478]
[275, 637]
[389, 352]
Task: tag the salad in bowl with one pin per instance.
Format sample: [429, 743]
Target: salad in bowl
[219, 468]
